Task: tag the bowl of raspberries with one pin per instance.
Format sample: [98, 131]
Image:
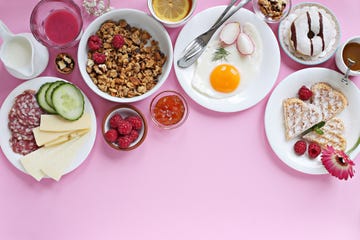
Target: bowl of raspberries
[124, 127]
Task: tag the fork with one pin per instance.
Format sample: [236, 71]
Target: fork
[195, 48]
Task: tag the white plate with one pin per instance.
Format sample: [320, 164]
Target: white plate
[259, 87]
[5, 133]
[274, 122]
[283, 32]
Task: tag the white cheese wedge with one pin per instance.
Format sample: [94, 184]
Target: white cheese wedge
[43, 137]
[32, 162]
[52, 161]
[55, 123]
[65, 138]
[57, 165]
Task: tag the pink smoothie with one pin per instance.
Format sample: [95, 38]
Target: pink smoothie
[61, 26]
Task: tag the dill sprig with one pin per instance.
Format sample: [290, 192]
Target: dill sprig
[220, 53]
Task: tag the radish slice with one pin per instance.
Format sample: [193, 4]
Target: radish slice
[229, 33]
[245, 44]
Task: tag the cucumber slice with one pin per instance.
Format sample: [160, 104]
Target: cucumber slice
[68, 101]
[40, 97]
[49, 92]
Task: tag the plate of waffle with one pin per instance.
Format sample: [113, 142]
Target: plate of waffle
[288, 117]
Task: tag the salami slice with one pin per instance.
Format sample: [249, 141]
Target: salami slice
[23, 117]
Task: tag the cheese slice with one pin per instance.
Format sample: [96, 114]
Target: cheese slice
[55, 123]
[43, 137]
[56, 166]
[57, 141]
[52, 161]
[32, 162]
[59, 137]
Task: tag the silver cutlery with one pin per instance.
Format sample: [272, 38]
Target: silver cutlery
[195, 48]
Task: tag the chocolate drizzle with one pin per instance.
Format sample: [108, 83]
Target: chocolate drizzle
[293, 35]
[321, 31]
[310, 34]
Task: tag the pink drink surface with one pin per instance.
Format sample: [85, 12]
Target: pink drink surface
[61, 26]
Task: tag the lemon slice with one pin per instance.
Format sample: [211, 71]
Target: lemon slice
[171, 10]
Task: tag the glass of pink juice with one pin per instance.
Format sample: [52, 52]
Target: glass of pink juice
[57, 23]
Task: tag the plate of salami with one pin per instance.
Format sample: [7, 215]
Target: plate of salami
[21, 114]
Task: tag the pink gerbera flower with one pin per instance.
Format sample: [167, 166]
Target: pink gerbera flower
[337, 163]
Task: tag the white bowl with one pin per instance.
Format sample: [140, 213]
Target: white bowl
[284, 33]
[137, 19]
[173, 24]
[339, 60]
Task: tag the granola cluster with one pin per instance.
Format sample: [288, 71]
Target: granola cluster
[124, 61]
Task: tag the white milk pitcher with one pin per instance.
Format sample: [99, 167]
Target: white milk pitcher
[22, 55]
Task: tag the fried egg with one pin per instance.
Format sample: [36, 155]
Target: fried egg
[228, 76]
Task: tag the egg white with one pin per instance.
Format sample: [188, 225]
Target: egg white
[247, 65]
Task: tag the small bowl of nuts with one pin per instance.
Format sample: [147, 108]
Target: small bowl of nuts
[272, 11]
[124, 127]
[65, 64]
[125, 55]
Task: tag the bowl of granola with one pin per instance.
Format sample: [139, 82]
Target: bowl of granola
[125, 55]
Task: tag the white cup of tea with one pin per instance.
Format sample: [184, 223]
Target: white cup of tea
[168, 22]
[349, 49]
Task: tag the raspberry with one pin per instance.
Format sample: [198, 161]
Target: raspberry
[124, 127]
[124, 142]
[133, 135]
[111, 135]
[305, 93]
[94, 43]
[99, 58]
[135, 121]
[118, 41]
[300, 147]
[314, 150]
[114, 120]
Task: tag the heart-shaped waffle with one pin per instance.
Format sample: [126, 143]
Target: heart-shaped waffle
[332, 135]
[299, 116]
[330, 101]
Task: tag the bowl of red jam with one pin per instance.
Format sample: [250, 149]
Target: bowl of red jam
[56, 24]
[169, 109]
[124, 127]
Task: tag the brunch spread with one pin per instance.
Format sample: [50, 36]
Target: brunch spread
[49, 125]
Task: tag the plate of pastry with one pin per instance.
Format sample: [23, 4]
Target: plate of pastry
[288, 116]
[244, 50]
[310, 34]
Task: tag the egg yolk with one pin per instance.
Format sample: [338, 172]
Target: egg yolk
[225, 78]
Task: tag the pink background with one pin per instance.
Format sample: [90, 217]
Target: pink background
[214, 178]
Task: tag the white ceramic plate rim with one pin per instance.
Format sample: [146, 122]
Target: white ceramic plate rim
[5, 133]
[269, 68]
[315, 61]
[132, 16]
[274, 124]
